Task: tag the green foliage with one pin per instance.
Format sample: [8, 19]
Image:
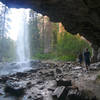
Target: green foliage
[53, 56]
[67, 48]
[65, 58]
[70, 46]
[44, 56]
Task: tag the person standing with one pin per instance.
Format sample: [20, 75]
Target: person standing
[87, 58]
[80, 57]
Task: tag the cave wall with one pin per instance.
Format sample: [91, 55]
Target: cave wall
[77, 16]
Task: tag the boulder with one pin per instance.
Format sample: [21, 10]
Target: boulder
[58, 71]
[59, 93]
[77, 68]
[29, 85]
[34, 62]
[3, 79]
[65, 83]
[95, 66]
[14, 88]
[75, 94]
[38, 97]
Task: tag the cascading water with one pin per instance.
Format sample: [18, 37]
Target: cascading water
[19, 32]
[19, 26]
[23, 51]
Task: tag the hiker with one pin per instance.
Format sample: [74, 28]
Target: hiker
[87, 58]
[80, 57]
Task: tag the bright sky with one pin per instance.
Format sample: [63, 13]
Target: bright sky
[16, 16]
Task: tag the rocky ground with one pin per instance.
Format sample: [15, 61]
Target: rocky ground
[52, 81]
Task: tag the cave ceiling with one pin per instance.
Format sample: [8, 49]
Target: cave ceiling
[77, 16]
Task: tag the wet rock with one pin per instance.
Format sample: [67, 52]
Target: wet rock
[73, 88]
[1, 94]
[51, 73]
[39, 81]
[59, 93]
[29, 97]
[55, 66]
[36, 79]
[1, 91]
[41, 87]
[38, 97]
[65, 67]
[3, 79]
[75, 94]
[69, 62]
[19, 74]
[95, 66]
[40, 73]
[34, 62]
[51, 89]
[87, 94]
[29, 84]
[15, 89]
[77, 68]
[58, 71]
[46, 73]
[64, 83]
[33, 71]
[12, 64]
[48, 65]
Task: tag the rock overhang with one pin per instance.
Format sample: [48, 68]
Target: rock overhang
[77, 16]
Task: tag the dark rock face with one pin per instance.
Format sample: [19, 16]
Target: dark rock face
[78, 16]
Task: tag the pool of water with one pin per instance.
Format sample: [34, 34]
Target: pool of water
[11, 68]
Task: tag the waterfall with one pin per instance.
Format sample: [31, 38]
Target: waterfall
[17, 20]
[19, 32]
[22, 42]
